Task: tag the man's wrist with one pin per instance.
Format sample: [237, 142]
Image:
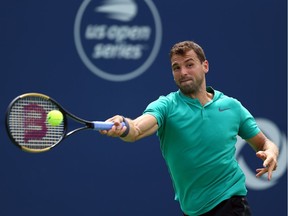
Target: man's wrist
[126, 132]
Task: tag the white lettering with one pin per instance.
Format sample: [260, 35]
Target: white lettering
[97, 32]
[121, 33]
[118, 33]
[120, 51]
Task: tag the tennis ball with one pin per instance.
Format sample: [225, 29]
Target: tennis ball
[54, 117]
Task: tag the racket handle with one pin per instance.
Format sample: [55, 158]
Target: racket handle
[100, 125]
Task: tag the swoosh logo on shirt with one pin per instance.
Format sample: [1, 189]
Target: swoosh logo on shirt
[223, 109]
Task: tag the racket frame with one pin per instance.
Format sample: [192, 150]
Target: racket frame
[66, 114]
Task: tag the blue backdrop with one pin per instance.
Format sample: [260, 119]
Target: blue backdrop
[100, 58]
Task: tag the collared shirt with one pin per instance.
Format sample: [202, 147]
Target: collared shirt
[198, 145]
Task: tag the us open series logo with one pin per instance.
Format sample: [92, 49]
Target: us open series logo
[117, 40]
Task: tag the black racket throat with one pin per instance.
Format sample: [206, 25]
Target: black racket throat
[88, 124]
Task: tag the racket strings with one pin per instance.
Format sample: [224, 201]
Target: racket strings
[28, 126]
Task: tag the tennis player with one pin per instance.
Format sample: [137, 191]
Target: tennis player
[197, 127]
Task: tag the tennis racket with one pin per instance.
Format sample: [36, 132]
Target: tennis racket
[28, 128]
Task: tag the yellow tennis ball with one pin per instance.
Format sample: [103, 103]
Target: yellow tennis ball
[54, 117]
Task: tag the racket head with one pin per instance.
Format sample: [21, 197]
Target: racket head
[27, 126]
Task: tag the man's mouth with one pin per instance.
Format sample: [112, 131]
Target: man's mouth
[185, 80]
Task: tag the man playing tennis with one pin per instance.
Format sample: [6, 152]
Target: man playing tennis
[197, 127]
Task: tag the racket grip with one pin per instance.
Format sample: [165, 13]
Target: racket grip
[100, 125]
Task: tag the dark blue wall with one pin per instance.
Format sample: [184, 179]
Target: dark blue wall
[88, 174]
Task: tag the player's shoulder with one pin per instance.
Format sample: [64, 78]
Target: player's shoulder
[222, 98]
[170, 96]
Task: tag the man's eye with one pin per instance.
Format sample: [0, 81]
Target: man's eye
[175, 69]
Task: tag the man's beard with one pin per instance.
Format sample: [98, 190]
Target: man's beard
[191, 88]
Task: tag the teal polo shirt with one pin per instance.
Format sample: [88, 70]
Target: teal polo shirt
[198, 145]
